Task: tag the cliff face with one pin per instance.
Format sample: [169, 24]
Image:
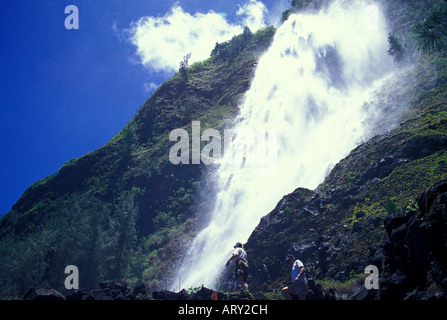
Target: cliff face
[414, 254]
[341, 227]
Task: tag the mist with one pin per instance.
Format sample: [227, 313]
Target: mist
[309, 92]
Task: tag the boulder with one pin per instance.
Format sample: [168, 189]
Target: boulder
[140, 291]
[416, 252]
[110, 290]
[43, 293]
[104, 294]
[170, 295]
[75, 295]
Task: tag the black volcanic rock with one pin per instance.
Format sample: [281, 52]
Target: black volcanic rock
[416, 252]
[43, 293]
[350, 220]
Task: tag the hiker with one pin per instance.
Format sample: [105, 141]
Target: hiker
[240, 266]
[298, 287]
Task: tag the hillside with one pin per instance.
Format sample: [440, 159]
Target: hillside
[117, 212]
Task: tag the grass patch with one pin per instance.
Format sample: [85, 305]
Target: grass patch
[344, 287]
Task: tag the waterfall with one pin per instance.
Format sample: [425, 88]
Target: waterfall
[308, 96]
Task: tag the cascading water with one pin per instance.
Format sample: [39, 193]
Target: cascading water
[308, 96]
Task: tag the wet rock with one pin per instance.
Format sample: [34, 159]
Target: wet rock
[380, 169]
[43, 293]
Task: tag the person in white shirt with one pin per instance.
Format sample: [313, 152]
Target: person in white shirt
[240, 266]
[298, 286]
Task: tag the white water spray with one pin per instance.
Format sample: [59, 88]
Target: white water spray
[309, 88]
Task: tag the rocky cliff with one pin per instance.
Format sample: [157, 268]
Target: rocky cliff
[369, 211]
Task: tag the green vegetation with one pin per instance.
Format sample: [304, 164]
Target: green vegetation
[184, 64]
[124, 211]
[431, 33]
[274, 295]
[396, 48]
[95, 236]
[233, 47]
[301, 5]
[346, 286]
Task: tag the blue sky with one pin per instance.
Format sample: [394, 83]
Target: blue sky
[65, 93]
